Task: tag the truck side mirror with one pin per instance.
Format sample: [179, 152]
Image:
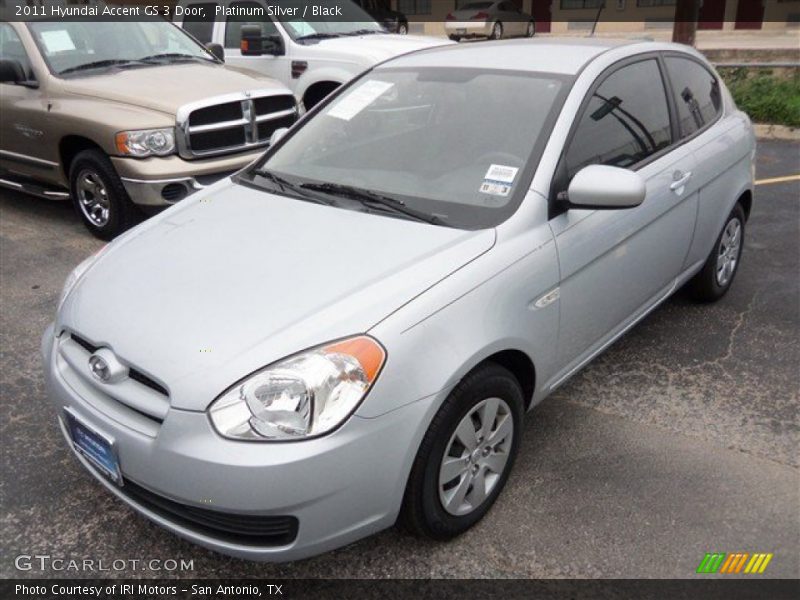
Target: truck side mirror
[251, 44]
[217, 50]
[255, 44]
[11, 71]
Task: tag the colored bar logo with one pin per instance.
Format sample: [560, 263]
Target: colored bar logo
[734, 563]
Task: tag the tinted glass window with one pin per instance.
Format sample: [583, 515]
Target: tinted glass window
[626, 120]
[422, 136]
[11, 48]
[697, 94]
[201, 26]
[233, 29]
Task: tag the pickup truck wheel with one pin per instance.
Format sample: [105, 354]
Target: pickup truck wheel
[98, 195]
[466, 455]
[716, 276]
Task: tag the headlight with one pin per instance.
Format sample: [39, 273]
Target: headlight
[76, 275]
[146, 142]
[302, 396]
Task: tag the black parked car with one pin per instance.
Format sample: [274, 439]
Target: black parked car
[382, 12]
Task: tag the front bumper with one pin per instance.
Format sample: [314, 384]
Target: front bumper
[161, 181]
[339, 487]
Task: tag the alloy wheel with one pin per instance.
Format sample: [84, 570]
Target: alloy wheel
[728, 254]
[476, 456]
[93, 198]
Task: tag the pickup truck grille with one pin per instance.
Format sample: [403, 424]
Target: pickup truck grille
[232, 123]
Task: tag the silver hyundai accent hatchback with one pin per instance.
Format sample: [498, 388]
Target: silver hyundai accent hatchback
[348, 332]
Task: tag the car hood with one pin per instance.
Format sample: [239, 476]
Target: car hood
[374, 48]
[165, 88]
[236, 278]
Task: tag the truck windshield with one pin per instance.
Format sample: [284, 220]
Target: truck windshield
[456, 144]
[78, 47]
[350, 20]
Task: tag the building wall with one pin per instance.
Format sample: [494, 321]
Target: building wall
[619, 16]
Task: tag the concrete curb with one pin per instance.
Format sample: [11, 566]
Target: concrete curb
[765, 131]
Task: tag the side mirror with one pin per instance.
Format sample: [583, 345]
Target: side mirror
[217, 50]
[603, 187]
[251, 41]
[255, 44]
[277, 135]
[11, 71]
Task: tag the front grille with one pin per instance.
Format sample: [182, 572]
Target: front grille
[133, 373]
[234, 123]
[250, 530]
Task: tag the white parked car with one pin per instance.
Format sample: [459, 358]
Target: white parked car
[492, 20]
[349, 331]
[312, 56]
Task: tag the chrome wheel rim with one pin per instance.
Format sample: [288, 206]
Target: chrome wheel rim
[476, 456]
[496, 32]
[530, 31]
[728, 255]
[93, 198]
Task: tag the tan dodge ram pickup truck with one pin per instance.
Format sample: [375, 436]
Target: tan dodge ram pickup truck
[120, 115]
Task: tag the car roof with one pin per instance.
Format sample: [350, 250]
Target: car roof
[548, 55]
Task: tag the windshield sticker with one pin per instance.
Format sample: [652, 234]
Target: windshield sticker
[357, 100]
[498, 180]
[57, 41]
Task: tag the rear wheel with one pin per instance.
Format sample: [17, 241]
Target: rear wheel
[716, 276]
[530, 31]
[466, 455]
[497, 31]
[98, 195]
[402, 28]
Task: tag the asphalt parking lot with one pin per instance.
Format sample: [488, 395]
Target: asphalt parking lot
[681, 439]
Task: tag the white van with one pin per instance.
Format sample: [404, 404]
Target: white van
[312, 55]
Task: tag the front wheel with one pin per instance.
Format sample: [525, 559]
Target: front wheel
[98, 195]
[466, 455]
[402, 28]
[530, 31]
[497, 31]
[721, 266]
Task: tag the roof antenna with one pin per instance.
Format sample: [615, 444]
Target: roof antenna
[597, 16]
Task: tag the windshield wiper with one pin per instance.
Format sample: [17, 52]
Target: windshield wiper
[287, 186]
[99, 64]
[167, 56]
[364, 32]
[317, 36]
[373, 199]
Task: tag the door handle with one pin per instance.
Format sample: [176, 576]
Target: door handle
[679, 180]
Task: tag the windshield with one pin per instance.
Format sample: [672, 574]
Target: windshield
[76, 46]
[455, 144]
[352, 20]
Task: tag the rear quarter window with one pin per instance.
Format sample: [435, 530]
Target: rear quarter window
[697, 94]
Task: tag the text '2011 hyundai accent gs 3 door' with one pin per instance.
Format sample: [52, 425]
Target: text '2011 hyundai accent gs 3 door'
[348, 332]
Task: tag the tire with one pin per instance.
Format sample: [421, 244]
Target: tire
[455, 38]
[712, 282]
[497, 31]
[531, 30]
[98, 195]
[425, 510]
[402, 28]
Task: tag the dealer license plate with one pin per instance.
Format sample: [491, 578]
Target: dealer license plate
[93, 446]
